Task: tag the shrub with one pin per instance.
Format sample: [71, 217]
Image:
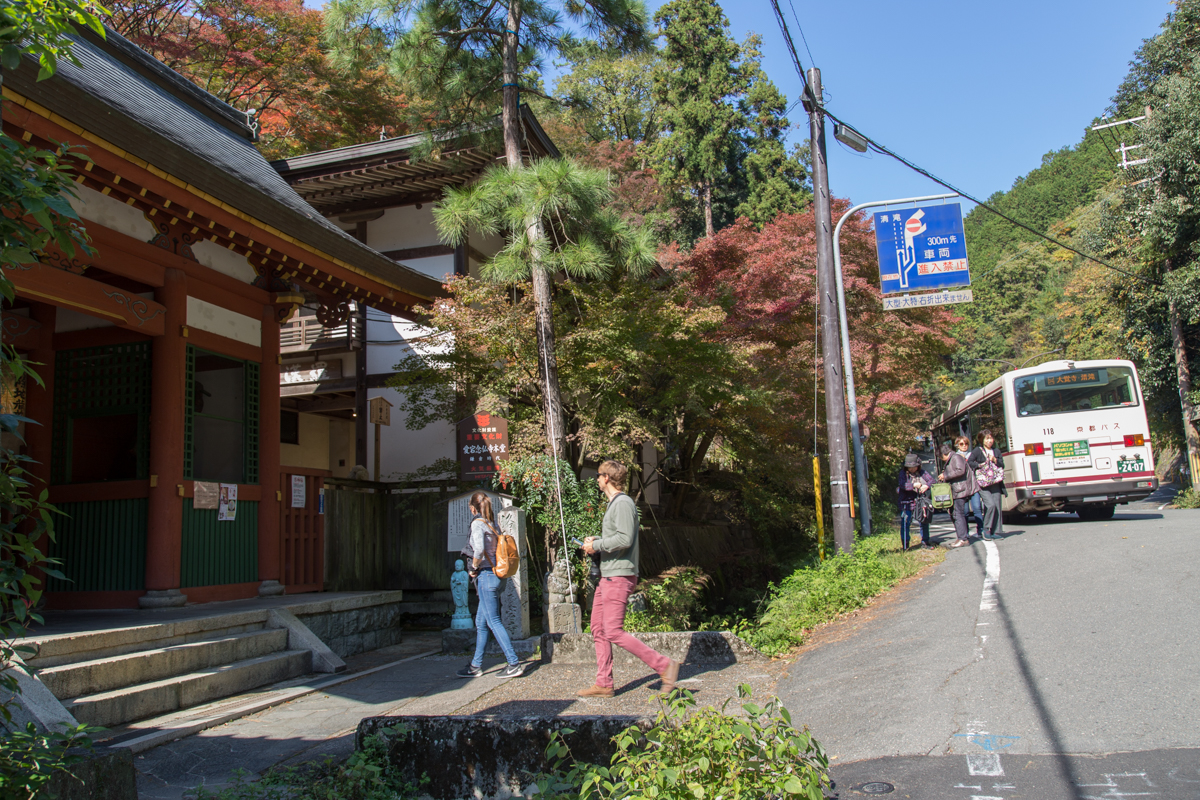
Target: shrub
[692, 754]
[674, 601]
[366, 775]
[1188, 498]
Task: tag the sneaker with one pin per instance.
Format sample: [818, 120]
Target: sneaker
[597, 691]
[469, 671]
[513, 670]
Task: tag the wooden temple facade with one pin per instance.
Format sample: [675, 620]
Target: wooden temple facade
[160, 351]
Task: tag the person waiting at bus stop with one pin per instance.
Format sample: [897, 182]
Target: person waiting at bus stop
[912, 483]
[991, 496]
[962, 485]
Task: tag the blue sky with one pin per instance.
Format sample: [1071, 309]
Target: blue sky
[975, 92]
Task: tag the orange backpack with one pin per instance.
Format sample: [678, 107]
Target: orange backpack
[508, 559]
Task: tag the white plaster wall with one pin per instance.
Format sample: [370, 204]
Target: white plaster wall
[402, 450]
[224, 261]
[112, 213]
[223, 322]
[313, 450]
[404, 227]
[341, 447]
[438, 267]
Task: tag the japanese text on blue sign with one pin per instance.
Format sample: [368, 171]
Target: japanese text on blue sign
[921, 248]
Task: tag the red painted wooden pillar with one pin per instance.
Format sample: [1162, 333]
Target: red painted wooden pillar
[39, 400]
[269, 565]
[168, 392]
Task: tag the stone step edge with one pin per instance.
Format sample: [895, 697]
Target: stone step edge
[59, 669]
[147, 733]
[53, 645]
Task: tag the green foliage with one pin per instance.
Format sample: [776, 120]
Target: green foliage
[38, 184]
[674, 601]
[822, 590]
[697, 753]
[29, 758]
[609, 93]
[536, 486]
[582, 237]
[368, 774]
[43, 28]
[1188, 498]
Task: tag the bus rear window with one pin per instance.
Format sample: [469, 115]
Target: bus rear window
[1075, 390]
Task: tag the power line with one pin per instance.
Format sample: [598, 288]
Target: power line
[803, 38]
[879, 148]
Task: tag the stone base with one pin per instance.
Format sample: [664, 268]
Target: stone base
[564, 618]
[490, 756]
[690, 647]
[270, 589]
[162, 598]
[454, 641]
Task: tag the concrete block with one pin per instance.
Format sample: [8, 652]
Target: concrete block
[35, 703]
[514, 600]
[489, 757]
[299, 637]
[165, 598]
[690, 647]
[463, 642]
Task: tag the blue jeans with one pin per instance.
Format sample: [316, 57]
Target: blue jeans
[906, 516]
[488, 616]
[977, 510]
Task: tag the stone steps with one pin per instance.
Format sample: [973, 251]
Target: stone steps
[182, 691]
[105, 674]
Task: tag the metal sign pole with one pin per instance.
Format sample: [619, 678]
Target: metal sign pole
[860, 461]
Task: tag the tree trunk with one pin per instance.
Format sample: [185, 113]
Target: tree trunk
[708, 223]
[1184, 373]
[542, 289]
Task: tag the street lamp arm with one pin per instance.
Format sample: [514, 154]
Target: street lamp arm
[998, 361]
[1039, 355]
[860, 461]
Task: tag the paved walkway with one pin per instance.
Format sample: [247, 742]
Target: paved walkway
[323, 723]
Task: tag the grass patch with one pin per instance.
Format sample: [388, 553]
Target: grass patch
[1188, 498]
[821, 591]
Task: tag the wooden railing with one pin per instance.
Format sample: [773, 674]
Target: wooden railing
[306, 333]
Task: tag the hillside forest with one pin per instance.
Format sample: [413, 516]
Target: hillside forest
[675, 140]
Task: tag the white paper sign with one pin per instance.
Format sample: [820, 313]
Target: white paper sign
[205, 495]
[299, 496]
[227, 509]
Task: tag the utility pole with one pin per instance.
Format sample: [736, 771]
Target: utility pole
[835, 401]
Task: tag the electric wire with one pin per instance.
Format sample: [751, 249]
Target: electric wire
[884, 150]
[803, 38]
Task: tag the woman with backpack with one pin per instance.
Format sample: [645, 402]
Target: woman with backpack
[987, 463]
[912, 486]
[484, 535]
[962, 484]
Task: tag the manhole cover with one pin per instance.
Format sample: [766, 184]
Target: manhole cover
[875, 787]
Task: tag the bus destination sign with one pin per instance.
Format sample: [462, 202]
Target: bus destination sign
[1079, 377]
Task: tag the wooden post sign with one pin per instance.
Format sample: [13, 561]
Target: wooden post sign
[482, 443]
[379, 413]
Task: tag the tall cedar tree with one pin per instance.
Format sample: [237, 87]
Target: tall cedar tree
[467, 57]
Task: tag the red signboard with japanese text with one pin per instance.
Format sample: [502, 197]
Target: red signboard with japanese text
[482, 443]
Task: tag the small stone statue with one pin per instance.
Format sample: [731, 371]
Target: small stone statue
[458, 590]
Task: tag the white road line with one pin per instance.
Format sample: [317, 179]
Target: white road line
[991, 577]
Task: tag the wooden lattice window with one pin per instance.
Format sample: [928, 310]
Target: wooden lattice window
[221, 433]
[102, 414]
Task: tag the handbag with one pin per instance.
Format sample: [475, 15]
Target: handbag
[990, 473]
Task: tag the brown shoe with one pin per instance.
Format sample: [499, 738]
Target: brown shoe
[669, 676]
[596, 691]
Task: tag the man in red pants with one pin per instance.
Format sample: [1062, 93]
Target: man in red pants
[618, 549]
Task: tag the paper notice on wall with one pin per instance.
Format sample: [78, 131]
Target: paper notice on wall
[299, 495]
[206, 495]
[227, 506]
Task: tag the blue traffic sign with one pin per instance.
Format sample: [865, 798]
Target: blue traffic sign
[921, 248]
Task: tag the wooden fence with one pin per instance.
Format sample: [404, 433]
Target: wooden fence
[381, 536]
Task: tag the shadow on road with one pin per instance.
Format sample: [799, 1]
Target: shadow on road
[1063, 764]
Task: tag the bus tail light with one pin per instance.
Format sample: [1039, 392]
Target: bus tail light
[1036, 449]
[1134, 440]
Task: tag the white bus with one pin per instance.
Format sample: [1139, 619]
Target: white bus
[1073, 433]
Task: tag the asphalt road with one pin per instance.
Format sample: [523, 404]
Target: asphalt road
[1060, 662]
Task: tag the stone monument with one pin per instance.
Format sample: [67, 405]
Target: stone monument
[514, 600]
[562, 616]
[459, 589]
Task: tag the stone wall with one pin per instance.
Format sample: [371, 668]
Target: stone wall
[349, 631]
[688, 647]
[490, 757]
[106, 774]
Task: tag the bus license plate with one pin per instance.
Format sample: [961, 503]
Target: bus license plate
[1131, 466]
